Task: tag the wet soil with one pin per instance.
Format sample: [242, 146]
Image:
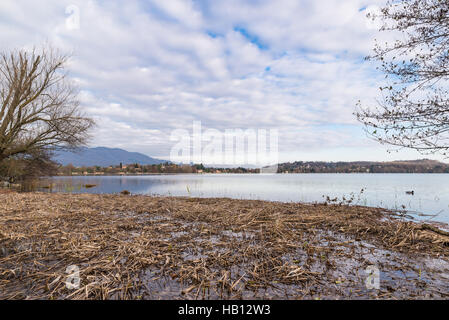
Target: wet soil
[142, 247]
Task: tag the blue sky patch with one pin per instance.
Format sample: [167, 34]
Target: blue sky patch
[251, 38]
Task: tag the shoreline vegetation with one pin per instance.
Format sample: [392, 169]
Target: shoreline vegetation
[147, 247]
[412, 166]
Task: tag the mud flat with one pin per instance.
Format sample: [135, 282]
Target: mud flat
[142, 247]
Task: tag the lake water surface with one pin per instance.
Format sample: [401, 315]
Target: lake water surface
[431, 191]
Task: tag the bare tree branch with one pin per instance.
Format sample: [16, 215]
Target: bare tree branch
[414, 109]
[39, 108]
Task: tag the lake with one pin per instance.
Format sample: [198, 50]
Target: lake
[430, 200]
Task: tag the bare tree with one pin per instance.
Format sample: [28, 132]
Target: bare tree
[39, 106]
[28, 167]
[414, 109]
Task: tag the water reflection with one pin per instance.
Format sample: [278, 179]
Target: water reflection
[431, 191]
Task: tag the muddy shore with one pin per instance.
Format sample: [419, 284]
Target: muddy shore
[144, 247]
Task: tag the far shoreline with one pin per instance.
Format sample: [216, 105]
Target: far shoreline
[252, 174]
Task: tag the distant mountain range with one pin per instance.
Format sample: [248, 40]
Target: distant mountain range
[102, 156]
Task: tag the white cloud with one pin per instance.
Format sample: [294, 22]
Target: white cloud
[146, 68]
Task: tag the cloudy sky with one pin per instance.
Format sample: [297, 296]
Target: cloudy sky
[146, 68]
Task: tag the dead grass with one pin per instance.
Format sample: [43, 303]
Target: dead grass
[141, 247]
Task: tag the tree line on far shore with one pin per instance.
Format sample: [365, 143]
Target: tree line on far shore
[136, 169]
[414, 166]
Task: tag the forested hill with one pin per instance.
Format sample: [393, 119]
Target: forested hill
[101, 156]
[409, 166]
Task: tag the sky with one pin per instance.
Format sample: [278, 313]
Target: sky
[147, 68]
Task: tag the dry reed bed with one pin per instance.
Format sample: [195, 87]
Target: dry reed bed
[141, 247]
